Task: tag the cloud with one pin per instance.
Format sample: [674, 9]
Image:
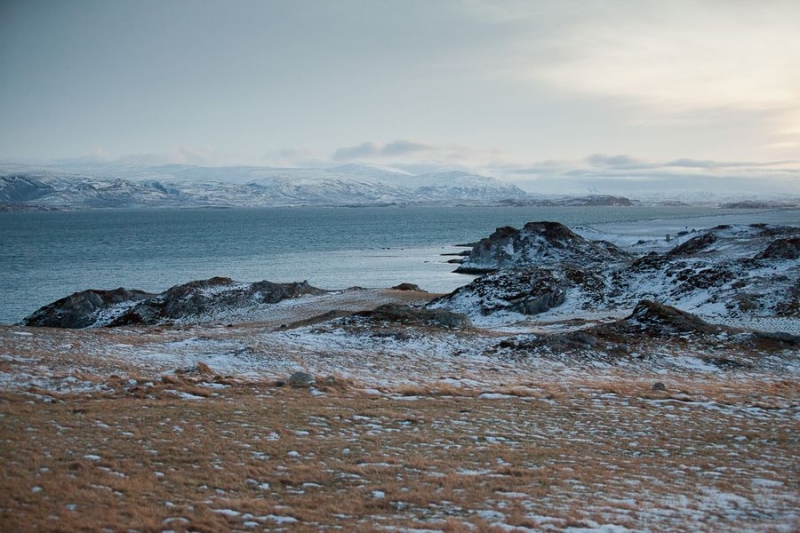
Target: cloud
[665, 64]
[410, 154]
[687, 55]
[182, 155]
[294, 158]
[602, 160]
[374, 150]
[636, 177]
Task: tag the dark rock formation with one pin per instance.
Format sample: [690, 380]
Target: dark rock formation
[656, 330]
[302, 380]
[577, 201]
[537, 244]
[210, 297]
[527, 291]
[83, 309]
[782, 249]
[407, 287]
[412, 316]
[693, 246]
[661, 320]
[767, 340]
[193, 301]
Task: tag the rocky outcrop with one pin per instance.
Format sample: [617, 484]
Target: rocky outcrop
[196, 301]
[537, 244]
[782, 249]
[655, 330]
[407, 287]
[659, 320]
[526, 291]
[694, 245]
[85, 309]
[206, 299]
[413, 316]
[726, 271]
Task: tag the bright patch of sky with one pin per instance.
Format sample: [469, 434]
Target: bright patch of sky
[509, 88]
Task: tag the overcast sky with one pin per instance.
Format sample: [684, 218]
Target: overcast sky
[504, 86]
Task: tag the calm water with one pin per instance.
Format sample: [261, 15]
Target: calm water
[46, 256]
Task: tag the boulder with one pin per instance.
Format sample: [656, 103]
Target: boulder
[407, 287]
[302, 380]
[84, 309]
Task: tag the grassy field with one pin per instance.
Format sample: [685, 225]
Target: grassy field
[198, 453]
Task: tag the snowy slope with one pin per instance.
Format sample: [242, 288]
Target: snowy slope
[190, 186]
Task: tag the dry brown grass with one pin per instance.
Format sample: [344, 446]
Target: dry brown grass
[139, 457]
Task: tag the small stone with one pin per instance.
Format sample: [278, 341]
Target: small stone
[658, 386]
[301, 379]
[407, 287]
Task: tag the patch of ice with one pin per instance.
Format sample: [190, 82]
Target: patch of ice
[490, 515]
[278, 519]
[184, 395]
[227, 512]
[494, 396]
[761, 482]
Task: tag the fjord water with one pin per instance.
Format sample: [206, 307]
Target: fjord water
[45, 256]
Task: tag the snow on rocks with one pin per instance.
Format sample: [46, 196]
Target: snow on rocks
[732, 273]
[193, 302]
[540, 243]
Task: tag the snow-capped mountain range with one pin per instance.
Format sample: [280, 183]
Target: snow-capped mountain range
[192, 186]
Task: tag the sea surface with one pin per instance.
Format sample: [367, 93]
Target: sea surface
[49, 255]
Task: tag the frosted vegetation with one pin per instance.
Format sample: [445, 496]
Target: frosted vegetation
[589, 382]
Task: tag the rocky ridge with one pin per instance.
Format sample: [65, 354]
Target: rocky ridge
[193, 302]
[188, 186]
[723, 272]
[656, 331]
[537, 243]
[670, 308]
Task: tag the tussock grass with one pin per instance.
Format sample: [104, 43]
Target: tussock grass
[257, 457]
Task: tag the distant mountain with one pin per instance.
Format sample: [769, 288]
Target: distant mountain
[595, 200]
[191, 186]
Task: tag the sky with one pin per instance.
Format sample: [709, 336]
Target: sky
[526, 90]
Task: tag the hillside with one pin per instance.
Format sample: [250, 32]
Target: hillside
[186, 186]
